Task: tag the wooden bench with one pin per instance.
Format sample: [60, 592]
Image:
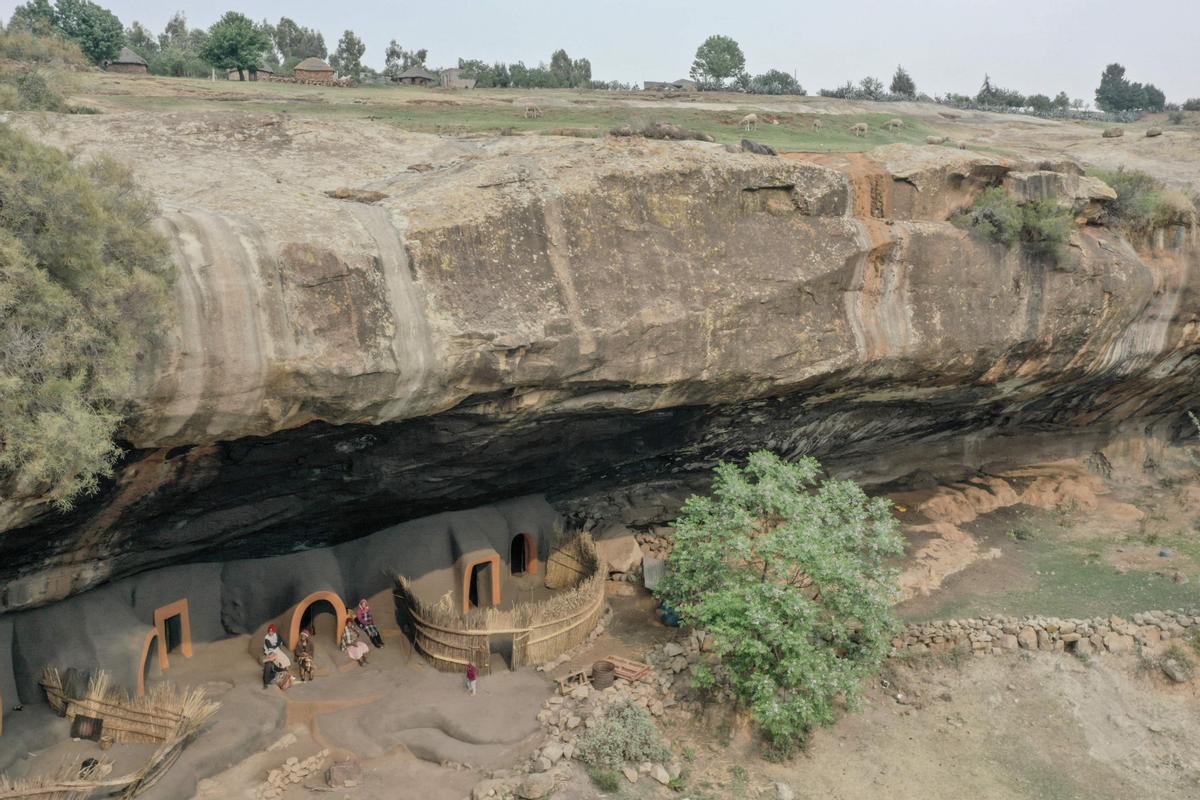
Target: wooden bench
[580, 677]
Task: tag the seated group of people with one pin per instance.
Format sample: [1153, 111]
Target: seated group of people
[277, 665]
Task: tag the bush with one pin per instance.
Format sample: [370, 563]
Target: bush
[1041, 226]
[83, 287]
[29, 48]
[1191, 104]
[1176, 117]
[31, 91]
[1143, 203]
[605, 779]
[625, 735]
[787, 573]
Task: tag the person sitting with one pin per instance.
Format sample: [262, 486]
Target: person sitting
[275, 673]
[352, 645]
[366, 621]
[305, 651]
[273, 646]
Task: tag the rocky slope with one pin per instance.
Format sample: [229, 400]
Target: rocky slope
[527, 314]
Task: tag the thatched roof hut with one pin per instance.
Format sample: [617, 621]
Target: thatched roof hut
[418, 76]
[314, 69]
[129, 62]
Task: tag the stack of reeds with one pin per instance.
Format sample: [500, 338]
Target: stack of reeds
[161, 714]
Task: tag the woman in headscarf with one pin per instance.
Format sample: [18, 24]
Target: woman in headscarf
[352, 645]
[366, 621]
[304, 655]
[273, 647]
[274, 672]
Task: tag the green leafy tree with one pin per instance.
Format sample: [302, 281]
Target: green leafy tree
[775, 81]
[97, 29]
[871, 88]
[1155, 99]
[560, 67]
[140, 40]
[83, 289]
[1115, 92]
[36, 16]
[903, 84]
[235, 42]
[1062, 101]
[396, 59]
[1040, 103]
[717, 60]
[786, 571]
[294, 41]
[347, 59]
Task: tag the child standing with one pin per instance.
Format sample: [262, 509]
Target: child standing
[472, 675]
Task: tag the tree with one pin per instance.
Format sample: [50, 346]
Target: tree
[296, 42]
[347, 59]
[871, 88]
[1040, 103]
[84, 283]
[560, 67]
[140, 40]
[581, 72]
[1155, 99]
[787, 573]
[397, 59]
[234, 42]
[1115, 92]
[175, 33]
[903, 84]
[97, 29]
[1062, 101]
[36, 16]
[717, 59]
[775, 81]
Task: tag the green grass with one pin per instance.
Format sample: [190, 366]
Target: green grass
[494, 111]
[1071, 580]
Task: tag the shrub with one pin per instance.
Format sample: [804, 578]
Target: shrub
[1143, 203]
[625, 735]
[787, 573]
[83, 286]
[605, 779]
[1176, 117]
[32, 91]
[27, 47]
[1191, 104]
[1041, 226]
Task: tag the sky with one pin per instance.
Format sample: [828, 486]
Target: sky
[946, 45]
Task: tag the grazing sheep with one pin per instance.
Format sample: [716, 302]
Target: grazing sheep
[860, 129]
[894, 124]
[749, 122]
[936, 140]
[817, 124]
[532, 111]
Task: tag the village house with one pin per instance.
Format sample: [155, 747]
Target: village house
[417, 76]
[128, 62]
[315, 70]
[261, 73]
[452, 79]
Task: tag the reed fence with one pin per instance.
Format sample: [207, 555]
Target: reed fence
[540, 631]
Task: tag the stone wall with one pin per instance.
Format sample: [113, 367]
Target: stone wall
[999, 634]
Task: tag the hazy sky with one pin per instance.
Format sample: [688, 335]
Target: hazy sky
[947, 45]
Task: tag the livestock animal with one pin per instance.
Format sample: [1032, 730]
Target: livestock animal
[894, 124]
[532, 111]
[860, 129]
[817, 124]
[749, 122]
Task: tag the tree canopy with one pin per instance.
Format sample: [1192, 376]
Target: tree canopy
[235, 42]
[96, 29]
[717, 60]
[786, 571]
[83, 290]
[397, 59]
[774, 81]
[903, 84]
[1116, 93]
[347, 59]
[295, 42]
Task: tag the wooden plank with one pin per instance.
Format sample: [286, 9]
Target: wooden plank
[628, 669]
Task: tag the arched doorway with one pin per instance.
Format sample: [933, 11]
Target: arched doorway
[518, 554]
[332, 601]
[151, 655]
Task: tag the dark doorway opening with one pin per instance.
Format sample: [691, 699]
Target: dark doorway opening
[174, 629]
[518, 555]
[480, 586]
[321, 616]
[150, 667]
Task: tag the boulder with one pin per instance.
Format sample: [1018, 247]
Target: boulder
[536, 786]
[1176, 670]
[1152, 132]
[751, 146]
[660, 774]
[344, 774]
[619, 548]
[784, 792]
[1113, 133]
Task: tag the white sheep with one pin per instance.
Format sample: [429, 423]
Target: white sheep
[860, 129]
[749, 122]
[532, 111]
[817, 124]
[894, 124]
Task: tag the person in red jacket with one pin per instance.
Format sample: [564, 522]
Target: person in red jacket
[472, 675]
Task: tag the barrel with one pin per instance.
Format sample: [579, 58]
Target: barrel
[603, 674]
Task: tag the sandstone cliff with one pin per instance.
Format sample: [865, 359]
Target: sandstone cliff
[535, 314]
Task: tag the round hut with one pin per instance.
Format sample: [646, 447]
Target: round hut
[314, 69]
[418, 76]
[128, 62]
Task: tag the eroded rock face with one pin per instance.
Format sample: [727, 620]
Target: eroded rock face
[545, 315]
